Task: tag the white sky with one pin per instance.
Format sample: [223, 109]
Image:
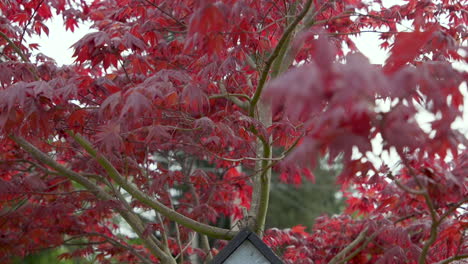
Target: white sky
[57, 44]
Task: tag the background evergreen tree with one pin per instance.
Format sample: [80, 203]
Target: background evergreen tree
[294, 205]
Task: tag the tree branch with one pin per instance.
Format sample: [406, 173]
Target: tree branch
[432, 211]
[212, 231]
[182, 249]
[261, 186]
[166, 13]
[29, 21]
[21, 54]
[434, 226]
[274, 55]
[452, 259]
[264, 196]
[340, 256]
[131, 219]
[228, 95]
[232, 97]
[359, 249]
[452, 209]
[16, 48]
[204, 239]
[404, 187]
[116, 243]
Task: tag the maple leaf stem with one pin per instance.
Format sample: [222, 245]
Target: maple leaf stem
[278, 65]
[211, 231]
[276, 68]
[16, 206]
[275, 159]
[129, 217]
[125, 72]
[179, 243]
[264, 184]
[227, 95]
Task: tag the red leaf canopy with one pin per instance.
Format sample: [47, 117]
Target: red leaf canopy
[174, 112]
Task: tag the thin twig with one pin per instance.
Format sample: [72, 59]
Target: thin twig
[163, 233]
[359, 249]
[204, 239]
[166, 13]
[29, 21]
[115, 243]
[453, 208]
[186, 246]
[177, 229]
[452, 259]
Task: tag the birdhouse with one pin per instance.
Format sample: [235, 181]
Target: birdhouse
[246, 248]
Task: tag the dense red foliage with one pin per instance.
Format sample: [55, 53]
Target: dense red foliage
[169, 95]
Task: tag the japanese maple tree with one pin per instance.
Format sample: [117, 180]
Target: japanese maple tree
[175, 113]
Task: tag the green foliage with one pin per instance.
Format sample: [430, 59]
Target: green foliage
[293, 205]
